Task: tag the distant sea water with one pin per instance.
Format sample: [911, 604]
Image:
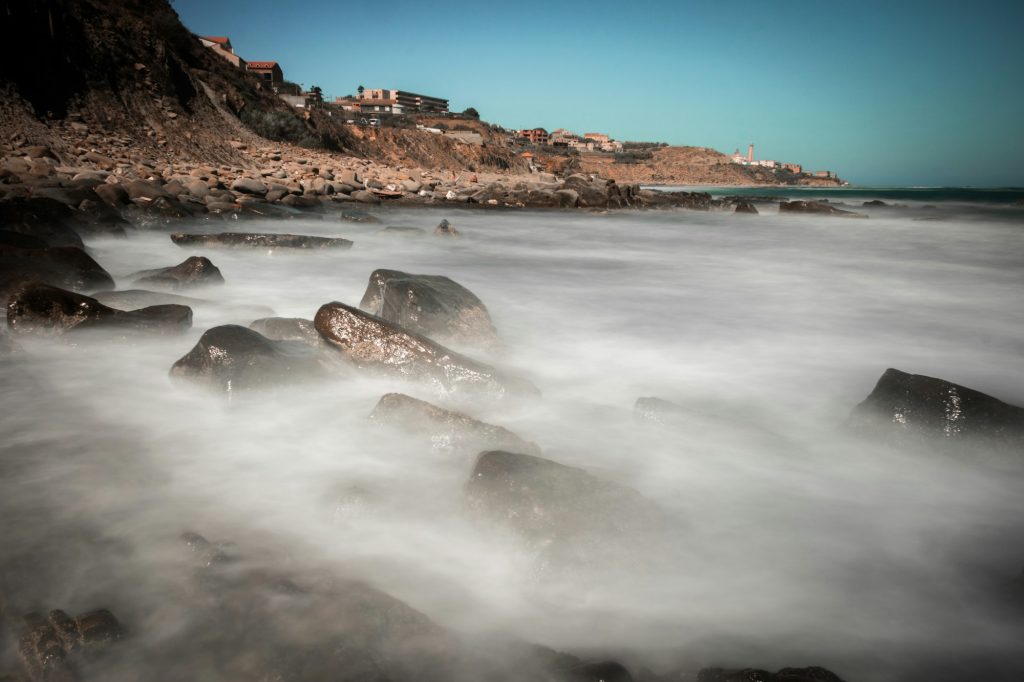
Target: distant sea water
[917, 195]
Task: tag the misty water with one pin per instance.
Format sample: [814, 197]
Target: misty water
[792, 542]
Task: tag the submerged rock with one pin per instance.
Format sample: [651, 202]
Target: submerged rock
[445, 229]
[910, 407]
[231, 357]
[374, 343]
[444, 430]
[193, 271]
[431, 305]
[260, 240]
[563, 512]
[811, 674]
[816, 208]
[404, 230]
[745, 207]
[48, 649]
[42, 309]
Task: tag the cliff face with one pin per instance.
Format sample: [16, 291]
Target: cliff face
[124, 78]
[690, 166]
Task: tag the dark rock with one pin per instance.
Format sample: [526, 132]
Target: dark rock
[745, 207]
[100, 219]
[374, 343]
[357, 216]
[21, 241]
[446, 431]
[432, 305]
[874, 202]
[304, 203]
[231, 357]
[816, 208]
[287, 329]
[46, 219]
[445, 229]
[905, 408]
[48, 649]
[193, 271]
[811, 674]
[560, 511]
[602, 671]
[66, 267]
[259, 240]
[43, 309]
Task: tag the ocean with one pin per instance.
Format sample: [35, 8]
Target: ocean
[790, 541]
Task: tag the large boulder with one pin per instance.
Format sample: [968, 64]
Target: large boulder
[259, 240]
[562, 512]
[432, 305]
[42, 309]
[68, 267]
[192, 272]
[816, 208]
[445, 431]
[356, 215]
[231, 357]
[905, 408]
[375, 344]
[49, 220]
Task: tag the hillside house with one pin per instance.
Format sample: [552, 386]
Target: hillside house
[269, 73]
[407, 102]
[534, 135]
[221, 46]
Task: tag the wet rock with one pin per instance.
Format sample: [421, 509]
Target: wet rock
[906, 408]
[260, 240]
[445, 229]
[874, 202]
[357, 216]
[564, 513]
[231, 358]
[431, 305]
[50, 646]
[21, 241]
[65, 267]
[375, 344]
[811, 674]
[446, 431]
[264, 623]
[43, 309]
[46, 219]
[816, 208]
[287, 329]
[193, 271]
[745, 207]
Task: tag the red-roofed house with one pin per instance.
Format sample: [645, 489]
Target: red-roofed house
[269, 73]
[221, 46]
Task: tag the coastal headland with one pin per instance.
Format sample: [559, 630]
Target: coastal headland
[145, 119]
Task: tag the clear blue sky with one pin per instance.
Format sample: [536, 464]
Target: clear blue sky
[884, 92]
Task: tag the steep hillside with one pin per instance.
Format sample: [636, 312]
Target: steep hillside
[125, 79]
